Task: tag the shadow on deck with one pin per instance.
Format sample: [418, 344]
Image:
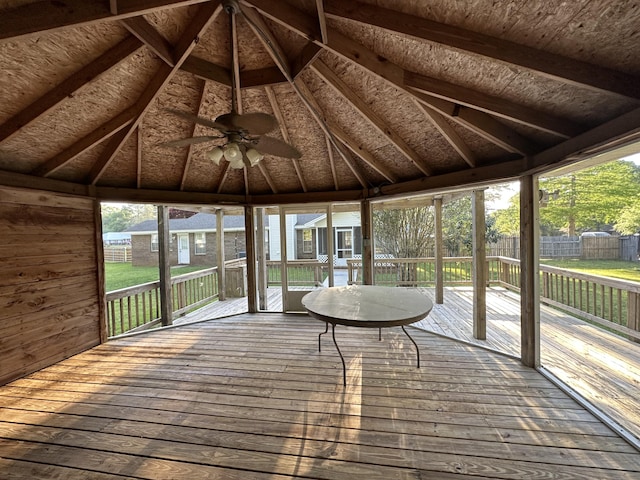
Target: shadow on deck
[600, 367]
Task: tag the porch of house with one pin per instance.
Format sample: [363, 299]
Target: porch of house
[250, 396]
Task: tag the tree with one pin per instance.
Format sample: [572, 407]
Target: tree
[457, 227]
[629, 218]
[590, 199]
[117, 218]
[404, 233]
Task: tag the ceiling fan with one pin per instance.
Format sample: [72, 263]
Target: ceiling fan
[245, 134]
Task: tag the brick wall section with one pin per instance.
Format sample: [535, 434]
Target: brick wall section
[142, 256]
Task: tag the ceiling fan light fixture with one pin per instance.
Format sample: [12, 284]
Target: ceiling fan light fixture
[254, 156]
[232, 152]
[237, 163]
[215, 155]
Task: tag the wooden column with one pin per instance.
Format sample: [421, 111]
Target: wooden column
[284, 278]
[529, 272]
[479, 267]
[100, 273]
[367, 242]
[262, 260]
[330, 242]
[220, 255]
[249, 229]
[164, 239]
[439, 266]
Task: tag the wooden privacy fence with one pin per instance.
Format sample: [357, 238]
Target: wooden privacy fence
[588, 248]
[117, 254]
[608, 302]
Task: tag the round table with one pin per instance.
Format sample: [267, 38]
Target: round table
[366, 306]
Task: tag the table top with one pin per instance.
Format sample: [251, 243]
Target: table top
[367, 305]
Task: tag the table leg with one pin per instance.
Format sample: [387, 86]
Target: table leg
[379, 334]
[414, 344]
[320, 335]
[344, 367]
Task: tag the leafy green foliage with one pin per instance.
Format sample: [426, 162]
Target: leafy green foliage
[117, 218]
[404, 233]
[590, 199]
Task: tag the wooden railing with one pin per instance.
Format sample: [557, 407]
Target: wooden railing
[138, 307]
[608, 302]
[299, 272]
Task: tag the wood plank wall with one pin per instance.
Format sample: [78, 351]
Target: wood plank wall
[49, 301]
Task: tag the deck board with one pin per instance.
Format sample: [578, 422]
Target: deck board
[602, 367]
[251, 397]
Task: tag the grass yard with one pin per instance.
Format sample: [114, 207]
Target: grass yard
[606, 268]
[123, 275]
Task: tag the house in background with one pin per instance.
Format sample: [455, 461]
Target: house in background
[307, 237]
[192, 240]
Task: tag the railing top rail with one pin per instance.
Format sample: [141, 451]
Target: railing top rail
[606, 281]
[189, 276]
[128, 291]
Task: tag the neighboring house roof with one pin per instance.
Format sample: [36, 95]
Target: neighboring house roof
[306, 218]
[197, 223]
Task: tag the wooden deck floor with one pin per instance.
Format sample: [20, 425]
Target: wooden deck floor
[250, 397]
[601, 367]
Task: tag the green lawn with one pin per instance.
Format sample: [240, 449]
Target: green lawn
[122, 275]
[607, 268]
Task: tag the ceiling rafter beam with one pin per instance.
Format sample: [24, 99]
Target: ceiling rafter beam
[322, 20]
[147, 34]
[492, 105]
[285, 132]
[187, 162]
[322, 70]
[45, 15]
[267, 177]
[448, 132]
[332, 163]
[210, 71]
[101, 133]
[306, 57]
[264, 35]
[480, 123]
[67, 87]
[316, 112]
[201, 20]
[352, 51]
[549, 64]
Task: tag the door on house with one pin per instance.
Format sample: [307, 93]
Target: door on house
[344, 243]
[183, 249]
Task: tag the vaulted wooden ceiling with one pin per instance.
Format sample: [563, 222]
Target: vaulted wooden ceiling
[381, 97]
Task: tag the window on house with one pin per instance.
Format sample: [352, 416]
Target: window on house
[154, 242]
[307, 241]
[201, 243]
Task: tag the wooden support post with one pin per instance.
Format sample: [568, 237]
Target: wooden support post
[100, 274]
[330, 242]
[367, 242]
[529, 272]
[262, 260]
[250, 230]
[164, 239]
[220, 256]
[284, 278]
[479, 267]
[439, 263]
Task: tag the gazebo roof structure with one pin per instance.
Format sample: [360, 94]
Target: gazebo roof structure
[381, 98]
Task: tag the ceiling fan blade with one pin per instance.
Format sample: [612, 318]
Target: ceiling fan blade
[273, 146]
[188, 141]
[256, 123]
[199, 120]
